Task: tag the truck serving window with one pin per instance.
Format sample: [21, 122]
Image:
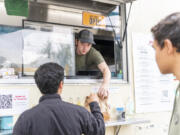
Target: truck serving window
[48, 41]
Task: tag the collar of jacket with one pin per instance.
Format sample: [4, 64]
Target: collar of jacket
[49, 96]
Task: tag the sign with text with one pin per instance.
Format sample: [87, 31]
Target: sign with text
[91, 19]
[13, 101]
[154, 92]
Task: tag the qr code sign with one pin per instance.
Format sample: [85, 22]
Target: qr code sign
[5, 101]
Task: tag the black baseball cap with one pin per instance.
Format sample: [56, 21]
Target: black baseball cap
[86, 36]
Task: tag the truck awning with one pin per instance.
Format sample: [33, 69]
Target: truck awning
[101, 6]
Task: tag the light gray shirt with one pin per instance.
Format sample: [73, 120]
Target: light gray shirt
[174, 126]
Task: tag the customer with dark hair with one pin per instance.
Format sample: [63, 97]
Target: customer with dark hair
[52, 116]
[167, 46]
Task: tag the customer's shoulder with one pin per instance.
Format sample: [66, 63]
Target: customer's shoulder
[33, 112]
[29, 113]
[25, 116]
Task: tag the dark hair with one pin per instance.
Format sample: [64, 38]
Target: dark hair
[48, 77]
[168, 28]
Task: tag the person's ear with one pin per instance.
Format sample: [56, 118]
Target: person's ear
[61, 85]
[76, 42]
[168, 44]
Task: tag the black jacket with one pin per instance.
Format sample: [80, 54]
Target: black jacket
[52, 116]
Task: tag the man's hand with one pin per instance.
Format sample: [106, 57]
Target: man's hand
[103, 91]
[92, 98]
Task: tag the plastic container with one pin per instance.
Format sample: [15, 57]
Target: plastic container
[120, 113]
[6, 122]
[120, 75]
[106, 116]
[113, 74]
[78, 101]
[71, 100]
[129, 108]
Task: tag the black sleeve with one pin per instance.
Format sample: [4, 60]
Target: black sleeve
[21, 126]
[94, 121]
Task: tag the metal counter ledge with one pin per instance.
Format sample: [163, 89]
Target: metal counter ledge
[116, 124]
[126, 122]
[30, 80]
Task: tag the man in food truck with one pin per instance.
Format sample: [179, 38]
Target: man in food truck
[167, 47]
[87, 57]
[53, 116]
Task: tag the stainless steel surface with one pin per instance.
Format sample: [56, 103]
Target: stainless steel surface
[30, 81]
[87, 5]
[38, 11]
[126, 122]
[60, 14]
[54, 14]
[117, 124]
[125, 47]
[51, 10]
[103, 1]
[69, 12]
[117, 2]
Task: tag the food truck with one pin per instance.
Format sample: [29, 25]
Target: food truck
[48, 34]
